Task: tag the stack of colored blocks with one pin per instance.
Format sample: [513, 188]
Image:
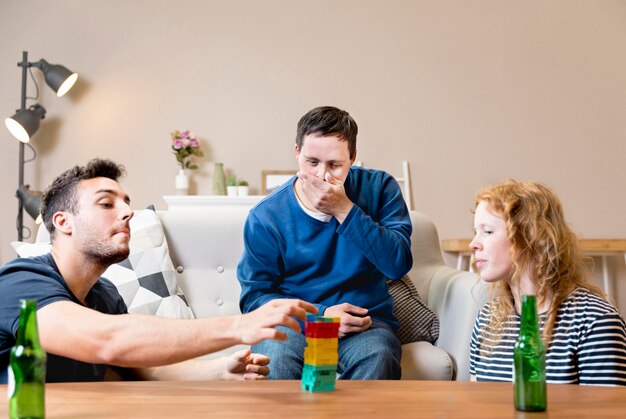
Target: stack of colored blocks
[320, 355]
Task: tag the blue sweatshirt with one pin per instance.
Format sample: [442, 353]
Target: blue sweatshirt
[289, 254]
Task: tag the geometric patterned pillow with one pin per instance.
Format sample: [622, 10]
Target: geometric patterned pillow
[417, 321]
[146, 280]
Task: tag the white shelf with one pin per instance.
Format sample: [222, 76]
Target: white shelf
[195, 202]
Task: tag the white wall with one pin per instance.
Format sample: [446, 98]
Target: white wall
[468, 92]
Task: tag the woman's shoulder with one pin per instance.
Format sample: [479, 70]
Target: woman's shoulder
[484, 314]
[583, 303]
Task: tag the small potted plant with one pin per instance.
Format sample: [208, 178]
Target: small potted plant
[242, 189]
[231, 185]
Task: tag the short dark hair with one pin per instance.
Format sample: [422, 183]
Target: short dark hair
[61, 194]
[328, 120]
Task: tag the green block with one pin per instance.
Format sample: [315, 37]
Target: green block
[316, 387]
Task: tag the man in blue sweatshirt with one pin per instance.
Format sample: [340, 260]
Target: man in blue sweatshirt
[331, 235]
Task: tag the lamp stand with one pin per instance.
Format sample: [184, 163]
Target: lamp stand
[20, 209]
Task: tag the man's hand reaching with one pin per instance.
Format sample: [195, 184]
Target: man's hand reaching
[260, 324]
[244, 365]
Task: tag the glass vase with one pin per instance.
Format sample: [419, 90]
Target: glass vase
[219, 180]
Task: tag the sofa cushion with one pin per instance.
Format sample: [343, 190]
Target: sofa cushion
[417, 321]
[146, 280]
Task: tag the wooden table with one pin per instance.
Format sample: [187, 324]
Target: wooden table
[351, 399]
[602, 248]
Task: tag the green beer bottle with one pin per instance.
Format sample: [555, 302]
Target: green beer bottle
[27, 367]
[529, 355]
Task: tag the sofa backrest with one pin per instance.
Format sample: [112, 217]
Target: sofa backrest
[427, 259]
[205, 247]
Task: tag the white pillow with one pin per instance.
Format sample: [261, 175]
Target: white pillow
[146, 280]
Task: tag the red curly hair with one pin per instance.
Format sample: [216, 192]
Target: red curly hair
[542, 244]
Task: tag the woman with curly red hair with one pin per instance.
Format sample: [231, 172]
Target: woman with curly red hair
[523, 246]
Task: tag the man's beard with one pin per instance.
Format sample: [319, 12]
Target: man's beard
[106, 256]
[103, 254]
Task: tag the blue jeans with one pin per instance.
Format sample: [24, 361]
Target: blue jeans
[370, 355]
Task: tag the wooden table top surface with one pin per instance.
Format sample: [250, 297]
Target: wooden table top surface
[351, 399]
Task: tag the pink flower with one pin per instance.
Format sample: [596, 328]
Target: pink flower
[185, 147]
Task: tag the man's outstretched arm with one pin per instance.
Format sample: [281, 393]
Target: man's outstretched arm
[73, 331]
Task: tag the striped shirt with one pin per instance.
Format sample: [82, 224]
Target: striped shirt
[588, 345]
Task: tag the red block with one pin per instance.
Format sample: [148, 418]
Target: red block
[321, 330]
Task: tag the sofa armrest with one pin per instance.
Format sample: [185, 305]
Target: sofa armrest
[423, 361]
[456, 297]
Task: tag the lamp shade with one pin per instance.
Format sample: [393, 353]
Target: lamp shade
[25, 122]
[58, 77]
[31, 200]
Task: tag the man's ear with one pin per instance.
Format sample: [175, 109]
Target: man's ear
[296, 150]
[62, 221]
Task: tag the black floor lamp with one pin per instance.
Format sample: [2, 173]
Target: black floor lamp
[25, 123]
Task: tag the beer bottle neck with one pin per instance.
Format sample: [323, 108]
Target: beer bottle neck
[27, 333]
[530, 321]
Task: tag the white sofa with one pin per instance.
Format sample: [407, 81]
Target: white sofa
[205, 246]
